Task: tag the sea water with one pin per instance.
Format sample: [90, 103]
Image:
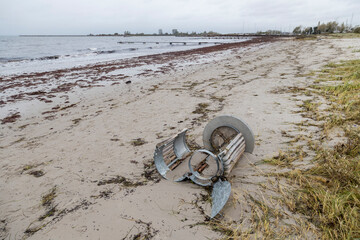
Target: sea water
[37, 54]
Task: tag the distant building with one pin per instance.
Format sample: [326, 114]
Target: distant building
[160, 32]
[175, 32]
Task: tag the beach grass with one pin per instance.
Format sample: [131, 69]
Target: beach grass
[327, 192]
[329, 35]
[344, 35]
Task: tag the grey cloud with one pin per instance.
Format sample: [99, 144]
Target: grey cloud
[108, 16]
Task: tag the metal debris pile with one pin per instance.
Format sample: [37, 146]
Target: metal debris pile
[225, 140]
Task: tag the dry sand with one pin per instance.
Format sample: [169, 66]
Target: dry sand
[107, 188]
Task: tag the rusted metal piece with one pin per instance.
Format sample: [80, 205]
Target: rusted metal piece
[201, 166]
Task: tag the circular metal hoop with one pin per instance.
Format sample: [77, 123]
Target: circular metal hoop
[232, 122]
[196, 174]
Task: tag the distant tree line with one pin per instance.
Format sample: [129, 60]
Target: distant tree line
[330, 27]
[174, 32]
[272, 32]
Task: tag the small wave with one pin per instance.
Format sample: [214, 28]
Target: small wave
[93, 51]
[6, 60]
[10, 60]
[106, 52]
[49, 57]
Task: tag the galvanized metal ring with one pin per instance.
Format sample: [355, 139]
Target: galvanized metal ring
[235, 123]
[196, 174]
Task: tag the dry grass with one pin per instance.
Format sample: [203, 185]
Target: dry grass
[343, 35]
[306, 37]
[326, 35]
[328, 192]
[263, 223]
[285, 159]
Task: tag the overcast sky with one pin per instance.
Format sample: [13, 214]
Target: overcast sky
[148, 16]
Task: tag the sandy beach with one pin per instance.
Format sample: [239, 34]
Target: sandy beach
[77, 156]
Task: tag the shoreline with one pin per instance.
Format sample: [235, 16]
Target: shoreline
[102, 185]
[46, 56]
[47, 86]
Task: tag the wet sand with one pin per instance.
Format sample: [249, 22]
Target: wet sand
[72, 165]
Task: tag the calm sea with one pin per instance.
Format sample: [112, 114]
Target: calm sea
[37, 54]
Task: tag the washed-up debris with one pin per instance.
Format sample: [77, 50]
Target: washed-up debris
[225, 140]
[138, 142]
[37, 173]
[11, 118]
